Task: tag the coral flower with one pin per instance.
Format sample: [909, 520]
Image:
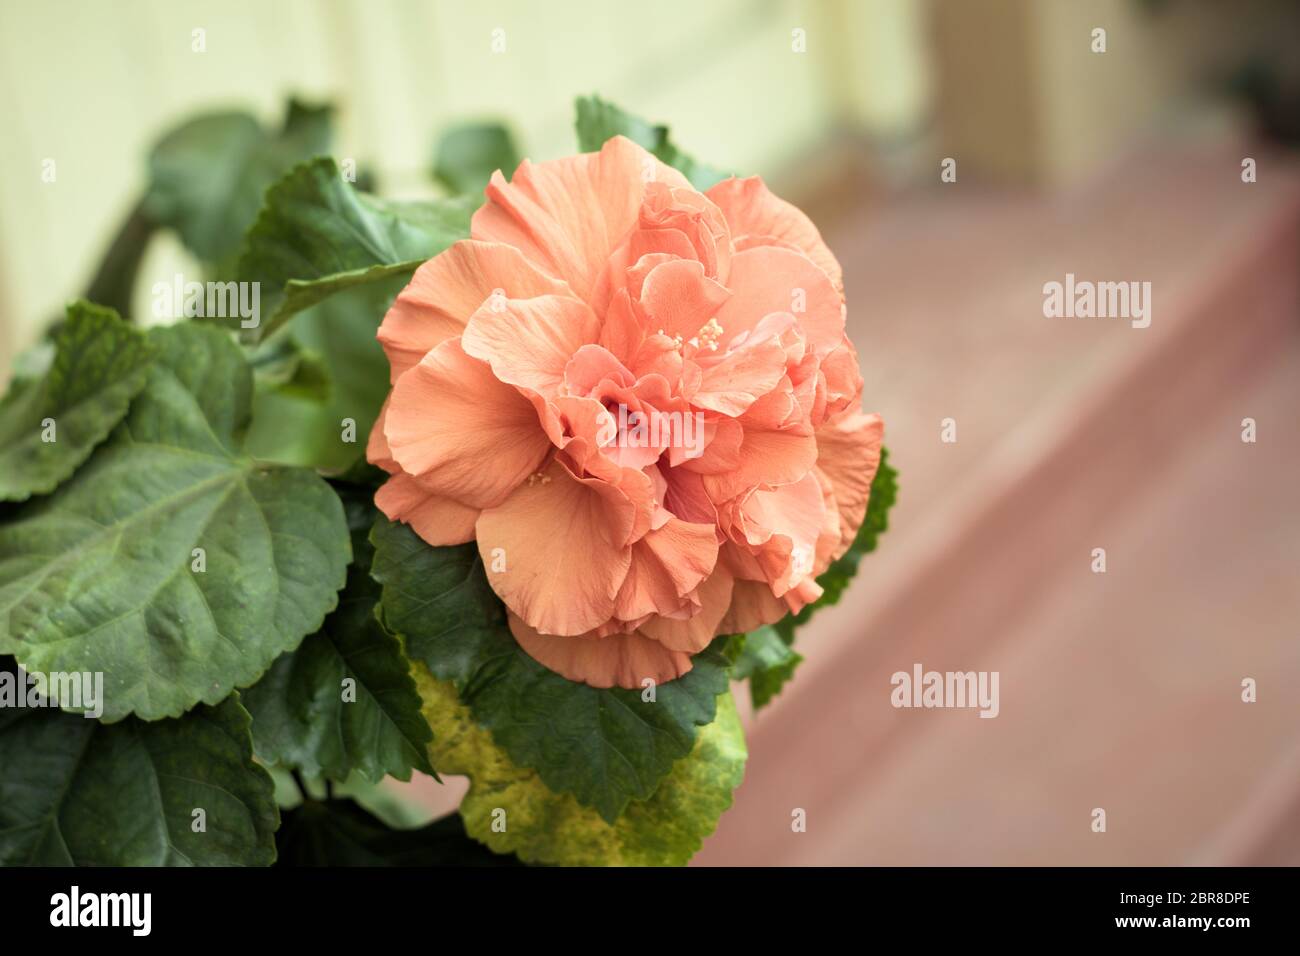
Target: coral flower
[639, 400]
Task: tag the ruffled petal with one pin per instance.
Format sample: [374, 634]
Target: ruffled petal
[667, 564]
[567, 215]
[767, 456]
[677, 298]
[377, 451]
[462, 432]
[695, 633]
[770, 279]
[782, 525]
[752, 605]
[732, 384]
[439, 520]
[566, 546]
[618, 660]
[528, 342]
[756, 217]
[848, 454]
[448, 289]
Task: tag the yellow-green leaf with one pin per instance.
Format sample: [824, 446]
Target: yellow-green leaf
[512, 811]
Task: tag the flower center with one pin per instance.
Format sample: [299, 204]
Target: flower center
[708, 335]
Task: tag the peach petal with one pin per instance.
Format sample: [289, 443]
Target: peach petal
[567, 215]
[828, 538]
[843, 381]
[621, 332]
[448, 289]
[752, 606]
[757, 217]
[667, 564]
[783, 526]
[673, 224]
[439, 520]
[642, 267]
[731, 385]
[658, 355]
[848, 454]
[591, 365]
[566, 546]
[695, 216]
[665, 243]
[801, 595]
[770, 279]
[587, 425]
[377, 451]
[528, 342]
[677, 298]
[723, 439]
[591, 440]
[775, 410]
[696, 632]
[618, 660]
[684, 495]
[647, 590]
[637, 487]
[462, 432]
[773, 457]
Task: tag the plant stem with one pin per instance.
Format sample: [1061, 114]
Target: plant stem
[115, 278]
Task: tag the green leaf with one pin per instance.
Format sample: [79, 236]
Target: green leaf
[285, 366]
[102, 575]
[358, 497]
[99, 365]
[317, 235]
[468, 155]
[36, 360]
[767, 661]
[208, 175]
[342, 833]
[294, 426]
[835, 579]
[598, 121]
[300, 717]
[543, 826]
[606, 747]
[74, 791]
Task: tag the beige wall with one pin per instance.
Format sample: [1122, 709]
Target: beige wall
[1014, 88]
[92, 84]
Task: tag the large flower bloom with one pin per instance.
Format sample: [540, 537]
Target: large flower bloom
[599, 293]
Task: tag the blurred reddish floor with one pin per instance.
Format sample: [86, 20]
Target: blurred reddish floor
[1121, 690]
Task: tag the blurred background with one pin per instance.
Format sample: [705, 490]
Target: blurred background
[1119, 690]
